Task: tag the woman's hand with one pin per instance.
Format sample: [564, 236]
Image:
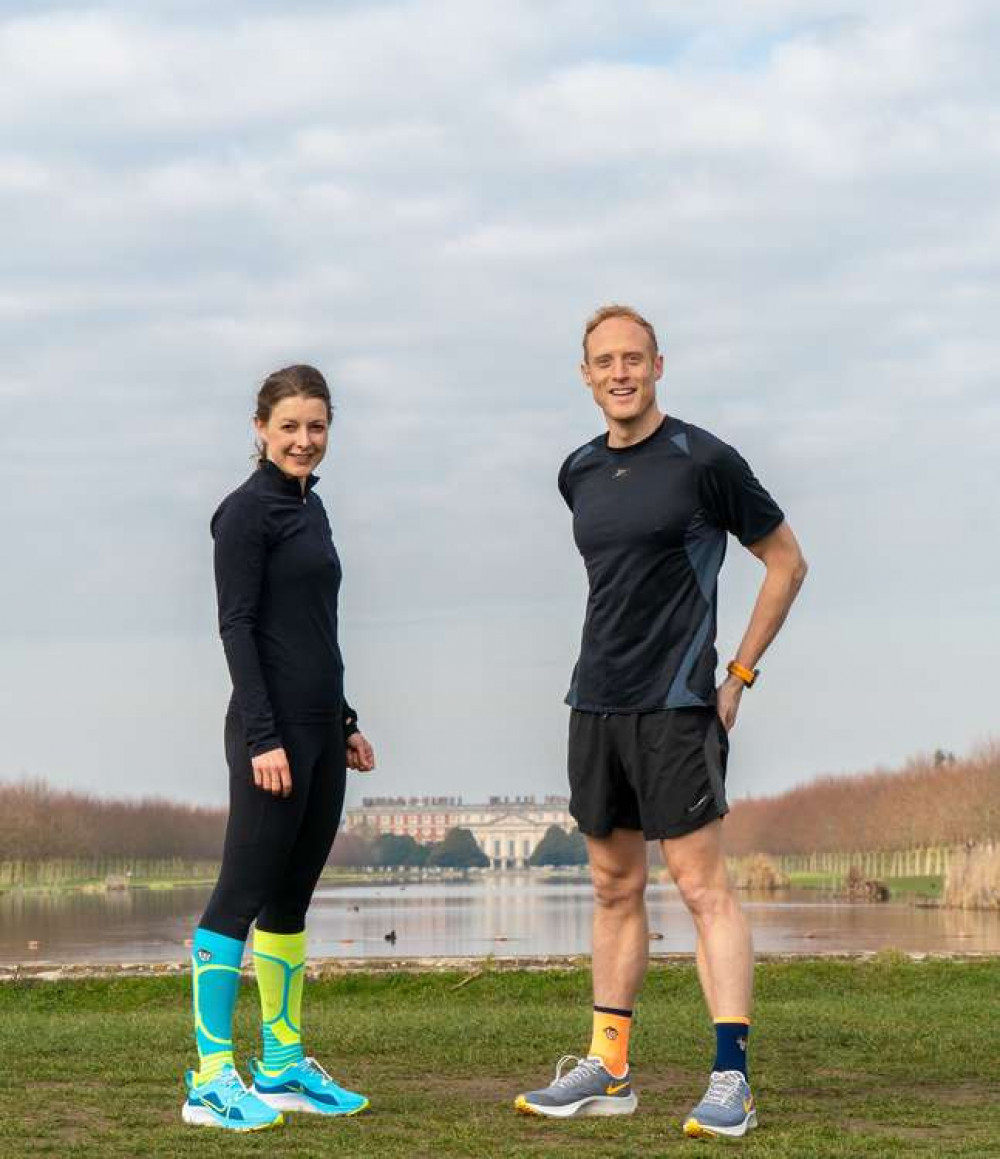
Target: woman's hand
[360, 754]
[271, 773]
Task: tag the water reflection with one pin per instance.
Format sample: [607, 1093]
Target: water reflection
[513, 915]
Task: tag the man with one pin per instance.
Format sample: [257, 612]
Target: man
[652, 503]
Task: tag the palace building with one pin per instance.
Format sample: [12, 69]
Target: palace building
[507, 829]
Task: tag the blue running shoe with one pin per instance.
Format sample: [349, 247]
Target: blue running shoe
[727, 1108]
[587, 1089]
[304, 1086]
[225, 1102]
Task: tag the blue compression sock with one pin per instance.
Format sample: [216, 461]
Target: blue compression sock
[215, 980]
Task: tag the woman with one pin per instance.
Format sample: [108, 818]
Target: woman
[289, 735]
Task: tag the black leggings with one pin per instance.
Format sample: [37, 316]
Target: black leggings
[276, 847]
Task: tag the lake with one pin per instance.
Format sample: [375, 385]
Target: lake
[509, 915]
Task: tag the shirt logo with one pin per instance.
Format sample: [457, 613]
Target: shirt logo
[620, 472]
[204, 955]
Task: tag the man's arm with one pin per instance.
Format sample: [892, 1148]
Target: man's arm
[786, 568]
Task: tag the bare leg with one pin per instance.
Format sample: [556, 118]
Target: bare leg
[725, 949]
[621, 933]
[705, 977]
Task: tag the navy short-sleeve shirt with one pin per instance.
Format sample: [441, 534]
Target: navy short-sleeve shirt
[651, 521]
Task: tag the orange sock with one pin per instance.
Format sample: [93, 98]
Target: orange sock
[610, 1039]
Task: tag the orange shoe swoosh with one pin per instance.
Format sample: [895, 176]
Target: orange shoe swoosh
[614, 1088]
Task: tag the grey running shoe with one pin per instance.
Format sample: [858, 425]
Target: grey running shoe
[726, 1109]
[587, 1089]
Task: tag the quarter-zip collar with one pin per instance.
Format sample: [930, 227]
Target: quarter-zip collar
[285, 484]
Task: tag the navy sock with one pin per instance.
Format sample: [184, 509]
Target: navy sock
[731, 1040]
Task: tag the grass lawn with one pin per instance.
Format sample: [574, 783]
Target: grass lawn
[926, 886]
[929, 886]
[880, 1058]
[806, 880]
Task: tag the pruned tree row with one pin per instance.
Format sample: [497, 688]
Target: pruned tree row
[931, 802]
[39, 823]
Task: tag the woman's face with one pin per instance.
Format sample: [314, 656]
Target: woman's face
[295, 435]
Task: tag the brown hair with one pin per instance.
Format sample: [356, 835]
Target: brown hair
[299, 381]
[616, 311]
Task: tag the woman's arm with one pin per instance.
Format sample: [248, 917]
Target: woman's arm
[240, 550]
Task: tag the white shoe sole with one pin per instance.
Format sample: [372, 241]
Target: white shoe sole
[594, 1105]
[203, 1117]
[695, 1130]
[303, 1104]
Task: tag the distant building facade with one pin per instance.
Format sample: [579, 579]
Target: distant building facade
[506, 829]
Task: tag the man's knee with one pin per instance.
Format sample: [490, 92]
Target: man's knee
[618, 887]
[706, 895]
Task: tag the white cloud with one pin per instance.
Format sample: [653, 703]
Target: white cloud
[426, 199]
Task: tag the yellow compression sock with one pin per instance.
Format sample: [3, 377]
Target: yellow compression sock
[279, 962]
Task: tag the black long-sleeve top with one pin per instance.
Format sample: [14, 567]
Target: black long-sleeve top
[277, 575]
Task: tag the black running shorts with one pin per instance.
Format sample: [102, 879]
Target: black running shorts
[662, 772]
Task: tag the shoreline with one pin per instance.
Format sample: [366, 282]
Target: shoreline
[472, 967]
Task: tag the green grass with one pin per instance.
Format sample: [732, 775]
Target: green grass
[73, 877]
[929, 886]
[926, 886]
[806, 880]
[849, 1059]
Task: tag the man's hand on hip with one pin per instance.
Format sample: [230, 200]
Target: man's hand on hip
[727, 701]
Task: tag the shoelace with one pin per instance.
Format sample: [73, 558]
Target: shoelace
[584, 1069]
[722, 1086]
[233, 1089]
[312, 1065]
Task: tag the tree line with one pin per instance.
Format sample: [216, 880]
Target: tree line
[458, 850]
[931, 801]
[39, 823]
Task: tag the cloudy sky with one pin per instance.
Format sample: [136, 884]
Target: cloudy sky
[426, 200]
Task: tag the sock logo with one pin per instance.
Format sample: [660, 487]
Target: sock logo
[742, 1044]
[204, 955]
[610, 1033]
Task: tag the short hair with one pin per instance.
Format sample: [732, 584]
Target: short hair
[616, 311]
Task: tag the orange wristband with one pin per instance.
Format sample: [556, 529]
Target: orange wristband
[747, 675]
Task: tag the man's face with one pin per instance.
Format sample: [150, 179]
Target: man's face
[622, 369]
